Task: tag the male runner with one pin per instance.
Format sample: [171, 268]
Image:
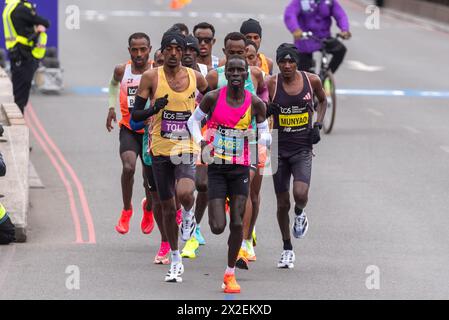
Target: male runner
[172, 150]
[189, 59]
[158, 59]
[205, 33]
[252, 30]
[125, 82]
[230, 111]
[235, 43]
[291, 93]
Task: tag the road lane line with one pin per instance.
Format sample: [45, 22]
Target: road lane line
[445, 148]
[79, 186]
[375, 112]
[73, 209]
[411, 129]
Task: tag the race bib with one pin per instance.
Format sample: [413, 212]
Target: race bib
[230, 144]
[293, 119]
[132, 91]
[174, 125]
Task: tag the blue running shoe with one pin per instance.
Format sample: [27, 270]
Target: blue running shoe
[199, 236]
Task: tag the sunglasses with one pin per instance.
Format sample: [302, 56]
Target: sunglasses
[206, 40]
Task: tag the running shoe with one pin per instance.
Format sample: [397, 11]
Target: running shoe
[199, 236]
[123, 224]
[251, 254]
[287, 259]
[188, 227]
[230, 285]
[190, 248]
[228, 206]
[175, 272]
[242, 259]
[147, 223]
[300, 226]
[163, 256]
[179, 217]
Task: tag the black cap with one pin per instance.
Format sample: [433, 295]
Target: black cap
[251, 26]
[193, 43]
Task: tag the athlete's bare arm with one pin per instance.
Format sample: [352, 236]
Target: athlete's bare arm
[270, 83]
[320, 94]
[259, 109]
[201, 82]
[270, 65]
[259, 83]
[212, 79]
[148, 84]
[209, 101]
[117, 77]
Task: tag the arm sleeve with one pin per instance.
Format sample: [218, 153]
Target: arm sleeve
[139, 112]
[194, 125]
[30, 16]
[113, 93]
[291, 15]
[340, 16]
[2, 166]
[263, 130]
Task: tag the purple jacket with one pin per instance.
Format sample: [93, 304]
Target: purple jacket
[318, 19]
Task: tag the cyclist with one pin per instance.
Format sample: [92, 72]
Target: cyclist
[316, 16]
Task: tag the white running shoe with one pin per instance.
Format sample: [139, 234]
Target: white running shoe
[300, 226]
[175, 272]
[287, 259]
[188, 227]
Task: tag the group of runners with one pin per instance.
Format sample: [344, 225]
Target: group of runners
[203, 128]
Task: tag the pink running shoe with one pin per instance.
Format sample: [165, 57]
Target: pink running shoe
[147, 223]
[163, 256]
[179, 217]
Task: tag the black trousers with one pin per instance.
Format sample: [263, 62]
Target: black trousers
[22, 76]
[335, 47]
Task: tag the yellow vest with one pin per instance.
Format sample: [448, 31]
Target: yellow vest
[170, 136]
[11, 36]
[2, 212]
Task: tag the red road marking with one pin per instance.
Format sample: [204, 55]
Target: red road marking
[65, 181]
[79, 186]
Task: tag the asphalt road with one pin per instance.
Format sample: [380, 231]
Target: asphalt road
[379, 185]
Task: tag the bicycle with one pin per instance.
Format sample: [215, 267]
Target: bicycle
[328, 81]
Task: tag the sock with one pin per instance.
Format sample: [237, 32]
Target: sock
[230, 270]
[288, 245]
[298, 211]
[175, 256]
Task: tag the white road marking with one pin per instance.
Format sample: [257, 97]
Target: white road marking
[411, 129]
[445, 148]
[375, 112]
[92, 15]
[360, 66]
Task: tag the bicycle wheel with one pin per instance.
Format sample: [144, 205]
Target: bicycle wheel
[331, 110]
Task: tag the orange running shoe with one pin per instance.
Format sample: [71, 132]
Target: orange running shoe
[179, 217]
[230, 285]
[123, 224]
[179, 4]
[147, 223]
[242, 260]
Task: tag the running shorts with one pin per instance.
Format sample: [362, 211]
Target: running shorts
[130, 141]
[299, 165]
[226, 180]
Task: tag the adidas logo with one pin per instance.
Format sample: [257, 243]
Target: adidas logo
[308, 96]
[192, 96]
[288, 56]
[174, 41]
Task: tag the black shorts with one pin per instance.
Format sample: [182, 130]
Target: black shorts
[299, 165]
[166, 173]
[151, 183]
[227, 180]
[130, 141]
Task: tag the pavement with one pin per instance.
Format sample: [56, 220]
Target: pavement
[378, 200]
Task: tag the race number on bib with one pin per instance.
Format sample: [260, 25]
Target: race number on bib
[174, 125]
